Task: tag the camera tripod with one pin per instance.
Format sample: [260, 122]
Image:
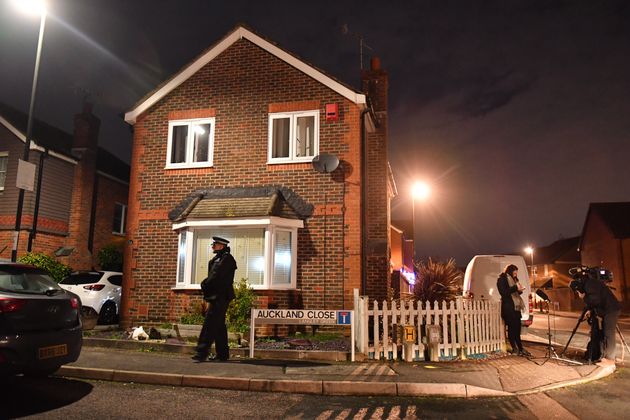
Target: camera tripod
[551, 351]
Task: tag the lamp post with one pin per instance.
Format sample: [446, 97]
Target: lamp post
[31, 7]
[420, 191]
[529, 250]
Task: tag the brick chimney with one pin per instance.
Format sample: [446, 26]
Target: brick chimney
[377, 189]
[85, 144]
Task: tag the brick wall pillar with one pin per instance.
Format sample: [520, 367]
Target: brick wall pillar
[375, 85]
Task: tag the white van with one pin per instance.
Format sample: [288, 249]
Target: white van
[480, 280]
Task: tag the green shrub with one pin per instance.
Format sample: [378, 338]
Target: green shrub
[195, 314]
[240, 309]
[437, 281]
[56, 269]
[110, 258]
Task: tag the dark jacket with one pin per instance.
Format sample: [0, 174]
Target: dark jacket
[599, 297]
[219, 285]
[507, 304]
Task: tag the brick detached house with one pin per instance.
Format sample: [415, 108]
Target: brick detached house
[83, 194]
[225, 147]
[551, 268]
[606, 242]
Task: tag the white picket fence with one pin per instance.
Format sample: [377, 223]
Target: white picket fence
[467, 327]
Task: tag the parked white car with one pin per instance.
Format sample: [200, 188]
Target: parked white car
[98, 290]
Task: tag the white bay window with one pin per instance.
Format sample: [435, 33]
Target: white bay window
[265, 252]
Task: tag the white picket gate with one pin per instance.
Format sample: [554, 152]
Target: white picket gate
[467, 327]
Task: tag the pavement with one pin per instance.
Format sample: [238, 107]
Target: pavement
[305, 372]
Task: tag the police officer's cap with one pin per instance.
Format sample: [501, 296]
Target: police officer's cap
[220, 240]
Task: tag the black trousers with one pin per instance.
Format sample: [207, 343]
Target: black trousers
[609, 326]
[513, 322]
[214, 331]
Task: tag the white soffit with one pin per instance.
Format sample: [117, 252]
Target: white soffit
[240, 32]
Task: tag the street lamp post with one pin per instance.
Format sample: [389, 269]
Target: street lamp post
[32, 6]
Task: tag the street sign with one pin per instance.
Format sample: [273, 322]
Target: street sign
[409, 335]
[25, 175]
[301, 317]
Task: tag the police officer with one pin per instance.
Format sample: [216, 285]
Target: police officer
[600, 301]
[218, 291]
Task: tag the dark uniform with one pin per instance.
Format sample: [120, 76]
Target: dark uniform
[218, 291]
[601, 300]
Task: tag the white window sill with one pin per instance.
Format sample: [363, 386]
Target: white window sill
[189, 166]
[118, 233]
[285, 162]
[187, 287]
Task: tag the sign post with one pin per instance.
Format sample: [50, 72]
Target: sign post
[301, 317]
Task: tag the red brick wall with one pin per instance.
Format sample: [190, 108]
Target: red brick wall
[240, 86]
[600, 248]
[375, 84]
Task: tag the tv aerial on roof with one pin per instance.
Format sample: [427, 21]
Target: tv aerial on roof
[325, 163]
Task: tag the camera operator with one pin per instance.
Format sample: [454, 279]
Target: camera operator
[601, 302]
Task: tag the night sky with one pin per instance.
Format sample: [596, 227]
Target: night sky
[517, 112]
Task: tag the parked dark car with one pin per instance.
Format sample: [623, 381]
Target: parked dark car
[40, 323]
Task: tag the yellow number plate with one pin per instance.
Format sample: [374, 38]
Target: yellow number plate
[53, 351]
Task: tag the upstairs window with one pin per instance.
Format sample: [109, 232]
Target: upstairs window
[293, 136]
[4, 161]
[120, 213]
[190, 143]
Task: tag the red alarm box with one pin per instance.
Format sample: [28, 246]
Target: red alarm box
[332, 112]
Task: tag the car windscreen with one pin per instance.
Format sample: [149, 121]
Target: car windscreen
[82, 278]
[26, 281]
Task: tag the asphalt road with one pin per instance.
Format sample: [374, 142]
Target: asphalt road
[59, 398]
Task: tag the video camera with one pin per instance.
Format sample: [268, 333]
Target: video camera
[583, 273]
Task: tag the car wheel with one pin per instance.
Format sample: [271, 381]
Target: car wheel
[108, 314]
[41, 373]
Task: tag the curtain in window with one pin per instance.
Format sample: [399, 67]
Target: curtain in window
[246, 246]
[3, 170]
[178, 143]
[280, 133]
[201, 142]
[181, 257]
[282, 258]
[305, 142]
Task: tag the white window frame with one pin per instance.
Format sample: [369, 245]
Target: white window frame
[293, 116]
[271, 226]
[188, 163]
[123, 223]
[5, 155]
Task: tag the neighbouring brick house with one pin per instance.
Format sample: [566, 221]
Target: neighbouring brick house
[551, 268]
[84, 190]
[225, 147]
[606, 243]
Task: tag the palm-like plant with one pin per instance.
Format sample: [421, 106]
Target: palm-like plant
[437, 281]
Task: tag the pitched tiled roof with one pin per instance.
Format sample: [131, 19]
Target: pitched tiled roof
[57, 140]
[45, 135]
[616, 216]
[241, 32]
[561, 251]
[221, 203]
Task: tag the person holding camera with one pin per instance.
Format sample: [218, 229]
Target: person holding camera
[510, 290]
[218, 291]
[601, 302]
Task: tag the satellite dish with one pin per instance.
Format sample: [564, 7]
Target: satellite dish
[325, 163]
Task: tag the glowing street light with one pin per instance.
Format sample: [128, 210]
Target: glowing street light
[37, 8]
[529, 250]
[31, 7]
